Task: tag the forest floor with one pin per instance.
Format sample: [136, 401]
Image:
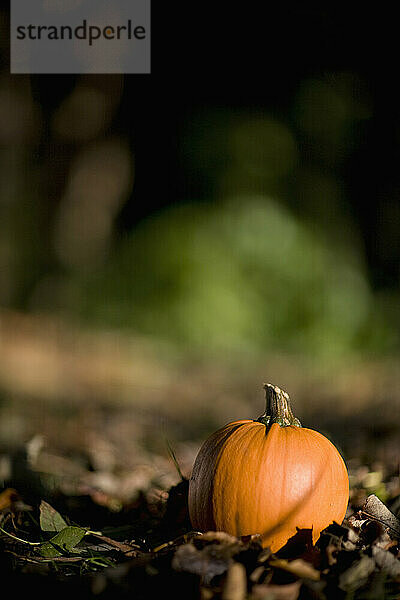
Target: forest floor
[98, 434]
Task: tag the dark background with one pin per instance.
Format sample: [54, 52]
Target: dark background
[248, 59]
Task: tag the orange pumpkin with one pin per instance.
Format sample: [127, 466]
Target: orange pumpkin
[268, 476]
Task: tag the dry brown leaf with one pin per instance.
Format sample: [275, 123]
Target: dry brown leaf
[375, 509]
[289, 591]
[387, 562]
[235, 586]
[298, 567]
[331, 553]
[208, 562]
[219, 537]
[256, 574]
[8, 497]
[355, 577]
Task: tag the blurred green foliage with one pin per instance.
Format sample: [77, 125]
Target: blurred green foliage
[243, 275]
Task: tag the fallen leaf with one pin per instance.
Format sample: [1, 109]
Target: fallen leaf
[296, 546]
[375, 509]
[235, 586]
[8, 497]
[257, 573]
[331, 554]
[50, 519]
[355, 577]
[298, 567]
[289, 591]
[200, 562]
[218, 536]
[62, 543]
[213, 559]
[387, 562]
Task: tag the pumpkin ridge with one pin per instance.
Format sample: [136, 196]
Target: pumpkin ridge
[247, 496]
[223, 476]
[210, 452]
[267, 449]
[322, 484]
[285, 518]
[261, 466]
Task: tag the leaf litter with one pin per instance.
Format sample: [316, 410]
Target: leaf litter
[84, 539]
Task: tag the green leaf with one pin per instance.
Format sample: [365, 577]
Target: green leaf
[50, 519]
[62, 543]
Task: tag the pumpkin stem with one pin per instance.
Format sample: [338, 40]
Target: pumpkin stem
[278, 409]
